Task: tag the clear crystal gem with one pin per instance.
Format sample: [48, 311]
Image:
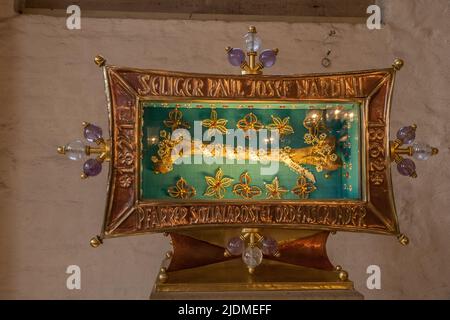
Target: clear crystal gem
[252, 42]
[252, 256]
[422, 151]
[75, 150]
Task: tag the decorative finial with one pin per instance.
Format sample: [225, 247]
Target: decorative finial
[236, 56]
[96, 241]
[77, 150]
[420, 151]
[99, 60]
[61, 150]
[163, 274]
[251, 245]
[403, 239]
[343, 275]
[398, 64]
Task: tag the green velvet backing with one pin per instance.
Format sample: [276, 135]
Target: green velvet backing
[343, 183]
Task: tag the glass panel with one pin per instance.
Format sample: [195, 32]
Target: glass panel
[313, 154]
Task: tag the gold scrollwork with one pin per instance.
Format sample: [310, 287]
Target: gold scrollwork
[162, 163]
[322, 146]
[125, 181]
[175, 120]
[126, 158]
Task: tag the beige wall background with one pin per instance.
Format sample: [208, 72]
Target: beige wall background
[49, 85]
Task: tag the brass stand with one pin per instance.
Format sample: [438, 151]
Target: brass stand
[197, 269]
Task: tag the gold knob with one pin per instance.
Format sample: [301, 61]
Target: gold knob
[343, 275]
[96, 242]
[398, 64]
[403, 239]
[99, 60]
[163, 275]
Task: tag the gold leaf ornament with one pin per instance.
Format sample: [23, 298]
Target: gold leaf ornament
[181, 190]
[282, 125]
[215, 124]
[303, 188]
[244, 189]
[250, 122]
[217, 184]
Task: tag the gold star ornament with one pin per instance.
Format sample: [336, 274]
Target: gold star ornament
[217, 184]
[274, 191]
[215, 124]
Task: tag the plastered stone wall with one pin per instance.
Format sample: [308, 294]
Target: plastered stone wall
[49, 85]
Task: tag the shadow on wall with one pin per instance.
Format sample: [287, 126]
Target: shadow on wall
[9, 120]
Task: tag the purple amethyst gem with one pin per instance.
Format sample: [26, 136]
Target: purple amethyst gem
[236, 56]
[406, 167]
[269, 246]
[235, 246]
[406, 134]
[92, 132]
[268, 58]
[92, 167]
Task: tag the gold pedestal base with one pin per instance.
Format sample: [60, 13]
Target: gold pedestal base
[272, 280]
[260, 295]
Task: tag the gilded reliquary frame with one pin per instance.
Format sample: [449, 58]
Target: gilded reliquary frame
[127, 213]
